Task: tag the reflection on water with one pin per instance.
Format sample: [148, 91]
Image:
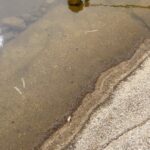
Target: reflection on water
[78, 5]
[13, 21]
[1, 39]
[17, 15]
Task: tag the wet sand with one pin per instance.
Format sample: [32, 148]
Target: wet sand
[47, 69]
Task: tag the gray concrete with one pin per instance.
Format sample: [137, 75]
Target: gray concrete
[123, 122]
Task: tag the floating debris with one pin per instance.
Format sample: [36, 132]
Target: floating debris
[23, 83]
[91, 31]
[69, 119]
[18, 90]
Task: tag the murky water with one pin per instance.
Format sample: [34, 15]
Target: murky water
[53, 54]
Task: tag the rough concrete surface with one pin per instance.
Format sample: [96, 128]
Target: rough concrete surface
[123, 121]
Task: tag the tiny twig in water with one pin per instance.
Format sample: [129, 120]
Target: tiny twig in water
[23, 83]
[18, 90]
[91, 31]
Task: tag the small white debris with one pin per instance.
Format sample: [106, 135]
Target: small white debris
[18, 90]
[91, 31]
[23, 83]
[69, 119]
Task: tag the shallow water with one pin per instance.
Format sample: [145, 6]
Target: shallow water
[52, 58]
[18, 7]
[17, 15]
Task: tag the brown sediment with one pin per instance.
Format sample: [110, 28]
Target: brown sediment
[103, 88]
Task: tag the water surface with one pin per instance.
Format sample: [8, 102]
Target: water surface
[55, 59]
